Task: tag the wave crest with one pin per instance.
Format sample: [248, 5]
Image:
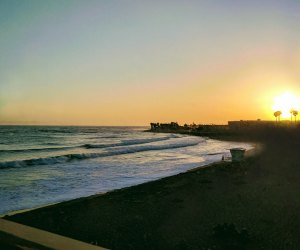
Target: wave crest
[128, 142]
[115, 151]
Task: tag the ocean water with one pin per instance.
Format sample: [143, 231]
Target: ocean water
[41, 165]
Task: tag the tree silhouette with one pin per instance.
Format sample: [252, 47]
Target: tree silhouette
[292, 113]
[277, 115]
[295, 113]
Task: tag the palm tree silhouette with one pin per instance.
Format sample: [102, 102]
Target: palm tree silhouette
[277, 115]
[292, 113]
[295, 113]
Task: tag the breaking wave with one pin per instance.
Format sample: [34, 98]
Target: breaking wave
[114, 151]
[35, 149]
[88, 146]
[128, 142]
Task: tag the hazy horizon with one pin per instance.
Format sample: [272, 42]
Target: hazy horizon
[135, 62]
[146, 125]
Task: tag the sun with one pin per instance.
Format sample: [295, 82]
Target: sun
[285, 103]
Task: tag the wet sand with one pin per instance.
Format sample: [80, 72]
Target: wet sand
[254, 204]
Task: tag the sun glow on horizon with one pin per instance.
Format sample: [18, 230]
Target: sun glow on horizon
[285, 103]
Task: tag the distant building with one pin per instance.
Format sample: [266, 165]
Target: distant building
[170, 126]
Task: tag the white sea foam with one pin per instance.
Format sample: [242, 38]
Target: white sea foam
[115, 151]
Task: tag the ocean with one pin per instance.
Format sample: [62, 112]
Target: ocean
[41, 165]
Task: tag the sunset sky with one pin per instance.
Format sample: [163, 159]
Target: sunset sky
[110, 62]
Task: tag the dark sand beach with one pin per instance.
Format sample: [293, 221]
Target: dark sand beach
[249, 205]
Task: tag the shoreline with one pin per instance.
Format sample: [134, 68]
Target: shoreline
[207, 164]
[25, 210]
[50, 217]
[253, 204]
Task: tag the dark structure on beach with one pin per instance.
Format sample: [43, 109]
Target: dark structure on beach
[197, 129]
[246, 129]
[172, 126]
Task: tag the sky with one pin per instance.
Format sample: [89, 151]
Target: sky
[128, 62]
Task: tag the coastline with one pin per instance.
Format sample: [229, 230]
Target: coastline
[199, 164]
[54, 218]
[41, 217]
[15, 212]
[253, 204]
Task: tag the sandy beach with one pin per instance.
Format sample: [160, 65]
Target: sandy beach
[249, 205]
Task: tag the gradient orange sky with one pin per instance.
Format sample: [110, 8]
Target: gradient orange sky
[135, 62]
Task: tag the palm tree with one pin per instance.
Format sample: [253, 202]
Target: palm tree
[295, 113]
[292, 113]
[277, 115]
